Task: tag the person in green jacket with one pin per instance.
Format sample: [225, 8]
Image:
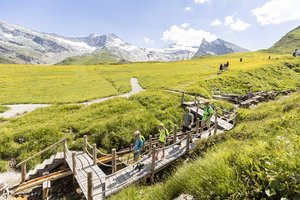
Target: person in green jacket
[163, 135]
[207, 114]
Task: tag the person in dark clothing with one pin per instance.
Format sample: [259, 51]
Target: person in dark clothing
[221, 67]
[188, 120]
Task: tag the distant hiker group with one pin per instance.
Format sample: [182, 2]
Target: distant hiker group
[223, 67]
[163, 133]
[296, 53]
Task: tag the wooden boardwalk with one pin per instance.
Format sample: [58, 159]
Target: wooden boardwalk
[221, 122]
[110, 184]
[102, 185]
[95, 184]
[84, 164]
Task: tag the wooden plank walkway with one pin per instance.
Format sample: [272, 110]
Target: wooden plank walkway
[222, 123]
[105, 185]
[126, 176]
[84, 164]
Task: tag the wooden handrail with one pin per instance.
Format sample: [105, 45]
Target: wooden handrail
[39, 153]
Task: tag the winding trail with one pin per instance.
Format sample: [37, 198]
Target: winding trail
[20, 109]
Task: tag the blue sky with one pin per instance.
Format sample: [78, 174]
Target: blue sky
[252, 24]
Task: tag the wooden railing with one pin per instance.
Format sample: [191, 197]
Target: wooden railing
[23, 163]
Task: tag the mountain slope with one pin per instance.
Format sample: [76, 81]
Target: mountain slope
[288, 43]
[94, 58]
[218, 47]
[23, 45]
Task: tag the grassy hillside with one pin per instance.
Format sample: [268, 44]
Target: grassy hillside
[110, 124]
[259, 159]
[63, 84]
[90, 59]
[288, 43]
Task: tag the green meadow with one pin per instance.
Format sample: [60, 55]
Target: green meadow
[233, 168]
[70, 84]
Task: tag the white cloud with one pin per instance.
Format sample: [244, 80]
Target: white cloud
[187, 36]
[148, 41]
[201, 1]
[188, 8]
[216, 22]
[228, 20]
[277, 12]
[235, 25]
[184, 25]
[239, 25]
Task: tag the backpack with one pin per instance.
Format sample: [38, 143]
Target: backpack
[142, 141]
[212, 106]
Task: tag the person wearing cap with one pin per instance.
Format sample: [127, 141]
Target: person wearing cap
[138, 145]
[188, 120]
[207, 114]
[163, 135]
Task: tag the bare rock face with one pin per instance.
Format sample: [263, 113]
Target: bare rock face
[218, 47]
[185, 197]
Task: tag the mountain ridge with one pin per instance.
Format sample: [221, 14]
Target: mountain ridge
[218, 47]
[288, 43]
[24, 45]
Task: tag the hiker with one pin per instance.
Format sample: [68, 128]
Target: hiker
[163, 135]
[207, 114]
[221, 67]
[138, 146]
[241, 59]
[227, 65]
[188, 120]
[295, 53]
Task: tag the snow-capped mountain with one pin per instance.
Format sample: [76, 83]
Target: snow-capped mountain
[218, 47]
[23, 45]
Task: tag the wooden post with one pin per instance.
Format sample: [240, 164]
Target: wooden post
[216, 121]
[188, 142]
[201, 125]
[65, 149]
[23, 171]
[84, 143]
[153, 163]
[103, 190]
[45, 193]
[89, 186]
[197, 119]
[114, 160]
[150, 142]
[195, 100]
[197, 125]
[46, 187]
[175, 134]
[94, 154]
[74, 163]
[235, 118]
[182, 98]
